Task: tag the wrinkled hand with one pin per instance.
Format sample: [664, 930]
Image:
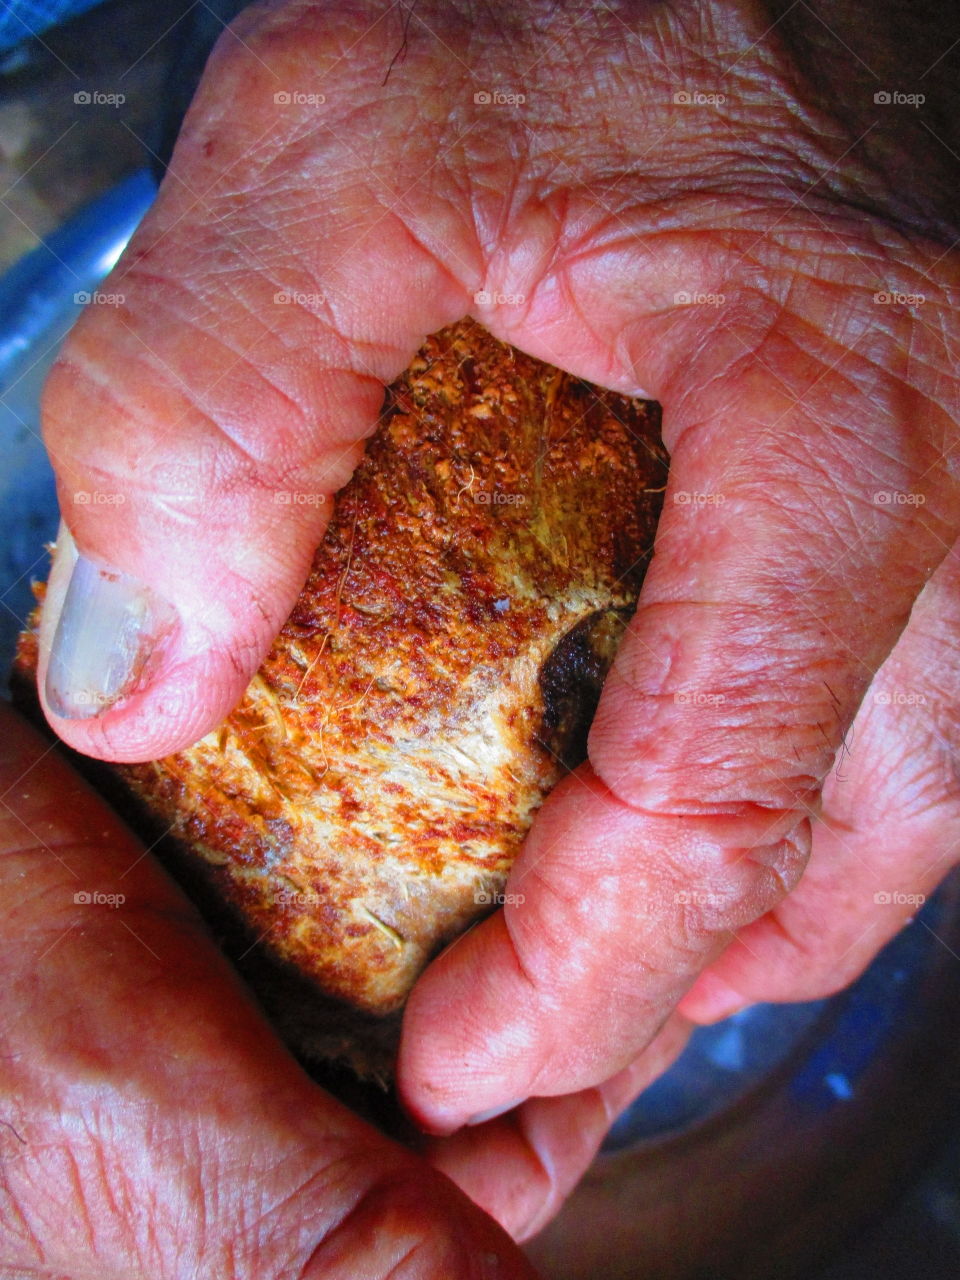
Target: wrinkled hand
[773, 267]
[153, 1126]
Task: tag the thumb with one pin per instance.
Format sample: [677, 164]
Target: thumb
[203, 412]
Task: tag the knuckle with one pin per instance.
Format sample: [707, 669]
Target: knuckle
[739, 874]
[760, 725]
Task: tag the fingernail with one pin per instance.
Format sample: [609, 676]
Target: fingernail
[483, 1116]
[106, 637]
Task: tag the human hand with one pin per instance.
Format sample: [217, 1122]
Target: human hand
[154, 1126]
[728, 262]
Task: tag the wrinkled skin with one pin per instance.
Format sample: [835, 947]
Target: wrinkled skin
[804, 592]
[154, 1126]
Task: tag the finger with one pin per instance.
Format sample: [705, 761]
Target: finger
[888, 834]
[199, 426]
[153, 1124]
[521, 1167]
[758, 630]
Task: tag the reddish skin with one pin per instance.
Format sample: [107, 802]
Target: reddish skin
[764, 618]
[153, 1125]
